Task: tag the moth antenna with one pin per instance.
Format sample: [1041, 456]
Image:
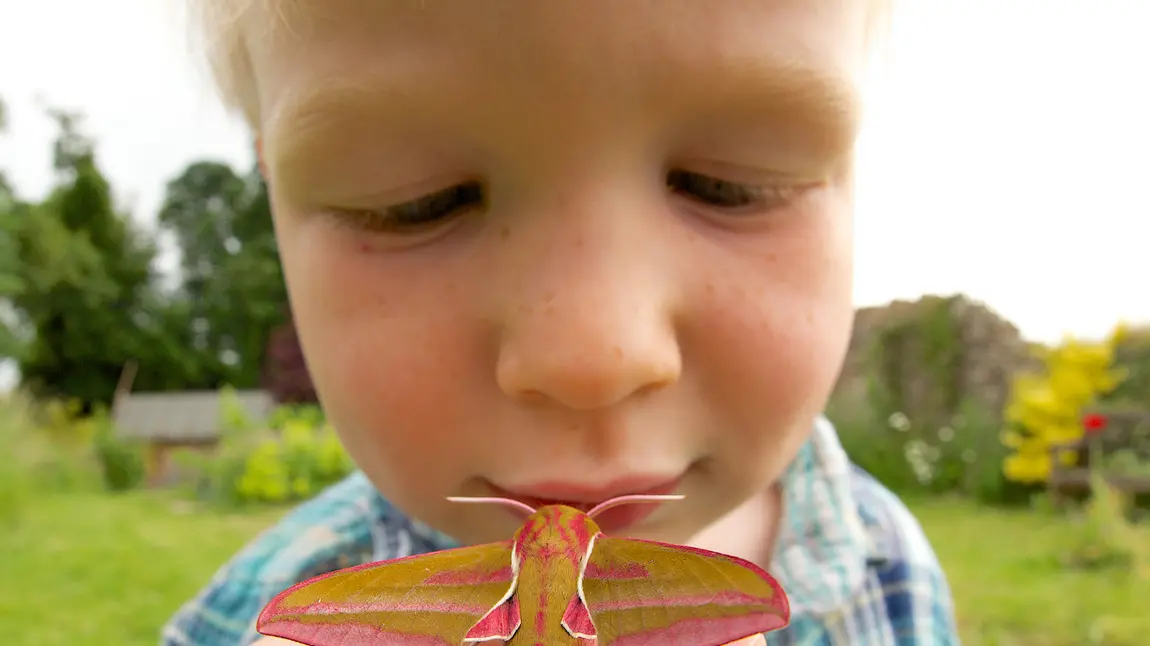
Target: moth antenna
[508, 502]
[632, 500]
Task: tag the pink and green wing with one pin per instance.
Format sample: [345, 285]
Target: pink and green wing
[436, 599]
[641, 592]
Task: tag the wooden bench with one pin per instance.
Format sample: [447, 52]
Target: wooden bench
[1125, 430]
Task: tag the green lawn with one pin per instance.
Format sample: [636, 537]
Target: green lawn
[99, 570]
[1011, 588]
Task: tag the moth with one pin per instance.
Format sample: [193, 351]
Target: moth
[558, 581]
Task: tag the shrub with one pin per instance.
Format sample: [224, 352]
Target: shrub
[291, 456]
[297, 464]
[961, 456]
[58, 447]
[14, 481]
[1045, 409]
[1105, 538]
[875, 444]
[46, 448]
[121, 462]
[285, 373]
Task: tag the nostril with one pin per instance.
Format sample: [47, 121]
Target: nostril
[586, 382]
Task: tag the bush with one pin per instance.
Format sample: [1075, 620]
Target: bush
[121, 464]
[876, 445]
[285, 373]
[1046, 408]
[962, 456]
[289, 457]
[46, 448]
[1105, 537]
[14, 481]
[297, 464]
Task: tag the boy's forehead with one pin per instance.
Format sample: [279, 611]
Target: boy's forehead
[348, 54]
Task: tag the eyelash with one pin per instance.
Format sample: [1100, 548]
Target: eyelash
[722, 194]
[432, 209]
[421, 213]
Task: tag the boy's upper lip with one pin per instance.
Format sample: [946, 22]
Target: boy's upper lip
[587, 495]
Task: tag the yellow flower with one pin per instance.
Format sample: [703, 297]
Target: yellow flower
[1027, 468]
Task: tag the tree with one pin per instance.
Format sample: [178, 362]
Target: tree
[285, 372]
[11, 283]
[86, 273]
[231, 282]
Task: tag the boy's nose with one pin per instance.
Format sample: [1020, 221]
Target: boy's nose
[592, 322]
[587, 353]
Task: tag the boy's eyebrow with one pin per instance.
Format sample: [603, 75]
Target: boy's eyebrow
[305, 112]
[819, 98]
[805, 95]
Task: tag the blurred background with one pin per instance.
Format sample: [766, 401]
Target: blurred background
[155, 411]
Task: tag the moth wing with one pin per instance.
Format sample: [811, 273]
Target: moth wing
[641, 592]
[423, 599]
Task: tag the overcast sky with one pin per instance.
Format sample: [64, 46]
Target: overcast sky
[1007, 155]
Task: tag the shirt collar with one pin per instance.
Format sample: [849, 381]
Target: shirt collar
[823, 547]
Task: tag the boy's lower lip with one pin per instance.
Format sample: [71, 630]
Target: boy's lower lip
[585, 498]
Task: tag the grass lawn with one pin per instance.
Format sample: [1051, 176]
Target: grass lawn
[1011, 588]
[100, 570]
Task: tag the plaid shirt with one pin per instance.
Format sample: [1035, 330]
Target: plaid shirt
[855, 563]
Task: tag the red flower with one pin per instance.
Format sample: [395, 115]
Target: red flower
[1094, 423]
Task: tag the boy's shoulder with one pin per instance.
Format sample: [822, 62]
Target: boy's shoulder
[347, 524]
[855, 562]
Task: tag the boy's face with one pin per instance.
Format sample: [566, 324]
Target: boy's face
[567, 249]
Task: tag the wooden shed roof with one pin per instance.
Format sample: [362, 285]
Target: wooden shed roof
[187, 416]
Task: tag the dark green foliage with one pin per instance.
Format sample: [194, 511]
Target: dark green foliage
[80, 296]
[232, 292]
[1133, 356]
[85, 272]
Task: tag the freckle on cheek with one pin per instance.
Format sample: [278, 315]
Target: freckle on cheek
[505, 233]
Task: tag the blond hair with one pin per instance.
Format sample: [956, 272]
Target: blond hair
[218, 26]
[221, 27]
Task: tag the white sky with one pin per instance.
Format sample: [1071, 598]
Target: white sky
[1007, 155]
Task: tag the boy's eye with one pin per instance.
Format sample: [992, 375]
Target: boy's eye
[433, 209]
[721, 193]
[422, 213]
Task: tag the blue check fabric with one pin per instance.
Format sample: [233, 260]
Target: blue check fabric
[855, 563]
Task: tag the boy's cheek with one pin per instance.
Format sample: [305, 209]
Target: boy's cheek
[769, 338]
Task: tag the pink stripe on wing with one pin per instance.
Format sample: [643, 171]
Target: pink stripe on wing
[471, 577]
[342, 634]
[347, 608]
[728, 598]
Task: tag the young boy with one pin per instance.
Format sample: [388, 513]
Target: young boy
[565, 250]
